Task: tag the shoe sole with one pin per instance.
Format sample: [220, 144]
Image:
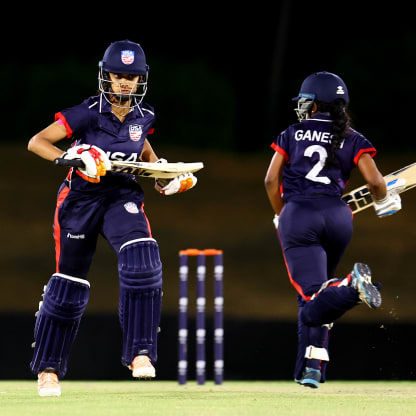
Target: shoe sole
[368, 293]
[144, 373]
[53, 393]
[310, 382]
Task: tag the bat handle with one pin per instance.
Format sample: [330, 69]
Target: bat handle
[74, 163]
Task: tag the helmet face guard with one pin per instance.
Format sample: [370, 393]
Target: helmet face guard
[123, 57]
[304, 106]
[108, 88]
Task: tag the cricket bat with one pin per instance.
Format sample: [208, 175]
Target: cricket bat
[144, 169]
[360, 198]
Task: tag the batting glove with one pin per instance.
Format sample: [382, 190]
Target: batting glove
[276, 221]
[95, 160]
[391, 203]
[179, 184]
[176, 185]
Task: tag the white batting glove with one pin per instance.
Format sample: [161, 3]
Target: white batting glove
[392, 202]
[276, 221]
[389, 205]
[95, 160]
[179, 184]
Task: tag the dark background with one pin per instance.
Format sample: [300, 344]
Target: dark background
[221, 80]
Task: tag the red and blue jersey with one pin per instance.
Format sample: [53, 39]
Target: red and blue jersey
[92, 122]
[305, 147]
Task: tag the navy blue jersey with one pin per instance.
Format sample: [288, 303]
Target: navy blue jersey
[305, 147]
[92, 122]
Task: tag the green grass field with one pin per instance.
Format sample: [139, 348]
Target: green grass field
[381, 398]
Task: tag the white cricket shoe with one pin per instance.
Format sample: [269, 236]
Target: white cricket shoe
[142, 367]
[48, 383]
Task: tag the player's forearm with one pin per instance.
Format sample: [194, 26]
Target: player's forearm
[378, 189]
[148, 155]
[272, 190]
[43, 148]
[374, 179]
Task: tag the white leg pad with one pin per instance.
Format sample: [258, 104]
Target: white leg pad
[316, 353]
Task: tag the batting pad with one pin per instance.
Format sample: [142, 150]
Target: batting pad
[64, 302]
[140, 272]
[316, 353]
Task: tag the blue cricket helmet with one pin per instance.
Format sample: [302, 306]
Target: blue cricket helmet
[323, 86]
[124, 57]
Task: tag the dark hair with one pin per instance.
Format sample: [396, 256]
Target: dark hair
[340, 124]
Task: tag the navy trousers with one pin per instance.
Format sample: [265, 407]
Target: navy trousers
[314, 233]
[80, 218]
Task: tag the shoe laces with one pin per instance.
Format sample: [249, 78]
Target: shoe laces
[141, 361]
[47, 378]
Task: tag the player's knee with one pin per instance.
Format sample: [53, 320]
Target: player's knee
[140, 267]
[65, 298]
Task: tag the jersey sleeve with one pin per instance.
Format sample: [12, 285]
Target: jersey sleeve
[75, 119]
[362, 145]
[281, 145]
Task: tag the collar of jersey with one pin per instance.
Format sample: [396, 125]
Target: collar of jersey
[321, 117]
[105, 107]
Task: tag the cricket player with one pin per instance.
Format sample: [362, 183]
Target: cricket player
[115, 125]
[305, 181]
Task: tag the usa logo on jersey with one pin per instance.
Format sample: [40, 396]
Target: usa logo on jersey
[135, 132]
[127, 57]
[131, 207]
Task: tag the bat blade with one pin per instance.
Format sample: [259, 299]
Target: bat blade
[155, 170]
[143, 169]
[360, 198]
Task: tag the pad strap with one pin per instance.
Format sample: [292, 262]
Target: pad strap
[315, 353]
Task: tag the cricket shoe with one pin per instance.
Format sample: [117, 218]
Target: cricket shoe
[142, 367]
[48, 383]
[361, 281]
[310, 378]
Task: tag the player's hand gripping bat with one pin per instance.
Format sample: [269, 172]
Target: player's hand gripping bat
[401, 181]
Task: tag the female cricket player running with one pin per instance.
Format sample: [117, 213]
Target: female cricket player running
[114, 125]
[304, 183]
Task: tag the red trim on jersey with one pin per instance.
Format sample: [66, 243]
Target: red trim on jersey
[57, 227]
[370, 150]
[278, 149]
[60, 116]
[147, 221]
[151, 131]
[294, 284]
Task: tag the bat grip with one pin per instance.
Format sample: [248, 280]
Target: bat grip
[74, 163]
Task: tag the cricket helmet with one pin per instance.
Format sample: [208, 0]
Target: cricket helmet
[123, 57]
[320, 86]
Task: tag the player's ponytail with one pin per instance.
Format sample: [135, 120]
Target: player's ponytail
[340, 124]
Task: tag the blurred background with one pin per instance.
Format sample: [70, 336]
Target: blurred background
[221, 81]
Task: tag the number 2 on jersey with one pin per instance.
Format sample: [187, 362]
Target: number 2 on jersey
[312, 175]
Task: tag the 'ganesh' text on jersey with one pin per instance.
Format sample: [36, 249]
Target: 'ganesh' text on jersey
[314, 136]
